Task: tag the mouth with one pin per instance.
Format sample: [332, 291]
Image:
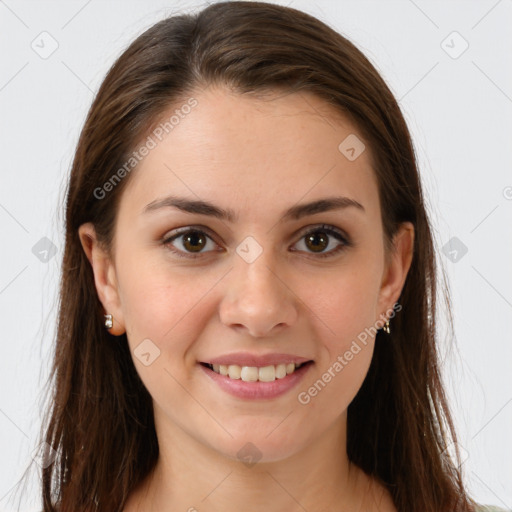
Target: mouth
[268, 373]
[256, 382]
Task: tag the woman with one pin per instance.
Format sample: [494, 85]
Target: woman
[247, 315]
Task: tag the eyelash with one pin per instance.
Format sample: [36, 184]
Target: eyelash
[324, 228]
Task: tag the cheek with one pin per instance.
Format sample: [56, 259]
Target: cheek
[163, 317]
[347, 305]
[164, 305]
[347, 343]
[345, 309]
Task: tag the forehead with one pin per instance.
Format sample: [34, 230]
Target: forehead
[254, 152]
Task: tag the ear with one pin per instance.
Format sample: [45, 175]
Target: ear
[398, 262]
[104, 276]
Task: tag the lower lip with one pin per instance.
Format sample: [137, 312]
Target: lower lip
[257, 390]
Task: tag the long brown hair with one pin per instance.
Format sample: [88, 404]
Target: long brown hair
[100, 422]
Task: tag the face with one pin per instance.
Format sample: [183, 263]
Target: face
[264, 276]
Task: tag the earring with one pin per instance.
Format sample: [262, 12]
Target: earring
[109, 321]
[386, 328]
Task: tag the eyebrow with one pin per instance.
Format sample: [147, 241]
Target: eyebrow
[294, 213]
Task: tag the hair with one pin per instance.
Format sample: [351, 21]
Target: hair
[100, 420]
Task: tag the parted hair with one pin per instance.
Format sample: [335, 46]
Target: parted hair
[99, 418]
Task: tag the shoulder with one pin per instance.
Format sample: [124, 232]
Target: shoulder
[490, 508]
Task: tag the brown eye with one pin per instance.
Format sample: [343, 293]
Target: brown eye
[317, 241]
[190, 243]
[194, 241]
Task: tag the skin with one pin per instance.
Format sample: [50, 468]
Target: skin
[257, 157]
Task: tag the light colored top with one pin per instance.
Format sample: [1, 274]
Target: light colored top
[490, 508]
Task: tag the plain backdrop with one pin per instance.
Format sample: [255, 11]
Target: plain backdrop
[448, 63]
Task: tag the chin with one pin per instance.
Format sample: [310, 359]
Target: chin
[252, 448]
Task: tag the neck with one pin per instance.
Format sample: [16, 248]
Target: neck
[191, 476]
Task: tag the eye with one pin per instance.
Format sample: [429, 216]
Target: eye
[191, 242]
[318, 239]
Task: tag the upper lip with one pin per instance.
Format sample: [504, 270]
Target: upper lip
[247, 359]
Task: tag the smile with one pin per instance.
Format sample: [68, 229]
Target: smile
[254, 373]
[252, 382]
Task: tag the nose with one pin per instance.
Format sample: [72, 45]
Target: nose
[258, 299]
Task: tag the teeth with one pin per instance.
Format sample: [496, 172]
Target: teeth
[253, 373]
[234, 371]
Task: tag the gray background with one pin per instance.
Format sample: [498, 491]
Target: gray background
[458, 105]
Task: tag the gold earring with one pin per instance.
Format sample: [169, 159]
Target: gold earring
[109, 321]
[386, 328]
